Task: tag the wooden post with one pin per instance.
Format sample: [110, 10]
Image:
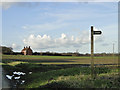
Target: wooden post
[113, 54]
[92, 53]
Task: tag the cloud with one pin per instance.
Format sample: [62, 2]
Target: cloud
[15, 46]
[46, 41]
[9, 3]
[46, 26]
[39, 41]
[70, 15]
[6, 5]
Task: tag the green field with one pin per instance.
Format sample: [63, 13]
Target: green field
[60, 59]
[63, 71]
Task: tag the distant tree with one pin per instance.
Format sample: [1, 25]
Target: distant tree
[87, 54]
[36, 53]
[6, 50]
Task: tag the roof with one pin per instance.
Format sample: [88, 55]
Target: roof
[26, 48]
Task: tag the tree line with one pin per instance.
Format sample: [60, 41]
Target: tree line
[9, 51]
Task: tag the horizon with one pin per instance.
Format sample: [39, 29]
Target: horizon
[61, 52]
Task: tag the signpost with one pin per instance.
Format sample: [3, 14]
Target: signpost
[97, 32]
[92, 49]
[113, 54]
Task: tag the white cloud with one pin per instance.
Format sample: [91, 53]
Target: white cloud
[39, 41]
[46, 41]
[15, 46]
[46, 26]
[9, 3]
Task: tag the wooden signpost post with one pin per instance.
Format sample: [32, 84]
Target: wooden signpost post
[92, 49]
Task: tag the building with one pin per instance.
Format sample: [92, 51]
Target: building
[27, 51]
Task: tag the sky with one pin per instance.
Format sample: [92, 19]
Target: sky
[60, 26]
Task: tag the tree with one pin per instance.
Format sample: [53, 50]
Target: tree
[6, 50]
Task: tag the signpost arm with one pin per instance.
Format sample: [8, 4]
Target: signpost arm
[92, 51]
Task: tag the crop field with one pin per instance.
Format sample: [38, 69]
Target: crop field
[62, 71]
[59, 59]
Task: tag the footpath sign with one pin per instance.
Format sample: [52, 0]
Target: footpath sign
[97, 32]
[92, 49]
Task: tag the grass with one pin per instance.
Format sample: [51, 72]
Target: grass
[48, 57]
[59, 59]
[70, 78]
[15, 63]
[63, 71]
[61, 76]
[83, 81]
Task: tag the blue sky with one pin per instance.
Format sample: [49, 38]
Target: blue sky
[60, 26]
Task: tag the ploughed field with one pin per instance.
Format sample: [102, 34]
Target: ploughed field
[60, 71]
